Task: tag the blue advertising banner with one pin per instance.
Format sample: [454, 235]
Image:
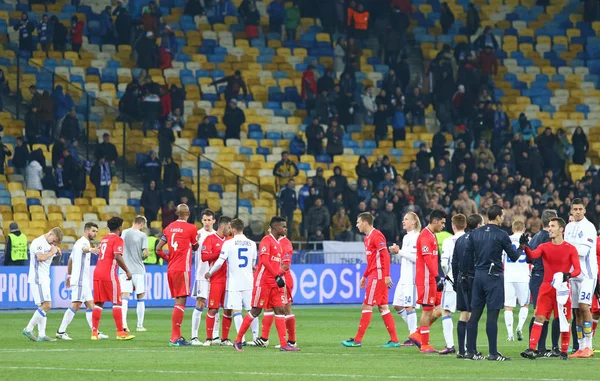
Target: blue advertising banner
[313, 284]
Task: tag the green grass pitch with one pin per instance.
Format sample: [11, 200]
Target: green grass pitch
[319, 332]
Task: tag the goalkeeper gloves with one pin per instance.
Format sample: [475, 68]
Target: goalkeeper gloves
[566, 276]
[439, 283]
[524, 240]
[280, 281]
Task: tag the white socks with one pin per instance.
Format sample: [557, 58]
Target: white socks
[523, 311]
[42, 326]
[217, 325]
[88, 317]
[448, 327]
[124, 307]
[411, 320]
[67, 319]
[141, 310]
[196, 319]
[37, 317]
[403, 315]
[254, 328]
[508, 320]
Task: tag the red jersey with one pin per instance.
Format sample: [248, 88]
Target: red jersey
[598, 252]
[427, 258]
[110, 246]
[378, 258]
[556, 259]
[270, 250]
[181, 236]
[210, 251]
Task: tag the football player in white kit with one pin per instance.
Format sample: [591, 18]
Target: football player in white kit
[582, 234]
[135, 251]
[240, 255]
[201, 285]
[405, 296]
[42, 252]
[79, 280]
[448, 304]
[516, 285]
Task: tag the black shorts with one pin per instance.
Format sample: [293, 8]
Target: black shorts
[534, 286]
[464, 291]
[488, 290]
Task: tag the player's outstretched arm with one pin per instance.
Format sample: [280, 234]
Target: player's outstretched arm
[215, 267]
[534, 254]
[509, 249]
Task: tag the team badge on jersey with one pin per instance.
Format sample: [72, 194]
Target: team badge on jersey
[425, 248]
[264, 249]
[203, 247]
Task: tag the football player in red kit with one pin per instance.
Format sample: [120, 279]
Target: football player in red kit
[596, 298]
[377, 281]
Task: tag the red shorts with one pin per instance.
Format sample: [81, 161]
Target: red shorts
[265, 296]
[289, 286]
[179, 283]
[377, 293]
[216, 296]
[546, 302]
[107, 291]
[595, 305]
[427, 294]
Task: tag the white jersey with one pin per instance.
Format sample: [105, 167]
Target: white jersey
[516, 272]
[409, 257]
[201, 267]
[582, 234]
[447, 253]
[240, 255]
[80, 263]
[39, 272]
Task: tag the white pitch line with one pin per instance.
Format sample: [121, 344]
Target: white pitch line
[280, 374]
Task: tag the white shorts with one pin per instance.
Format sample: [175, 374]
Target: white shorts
[238, 300]
[40, 292]
[582, 291]
[514, 291]
[201, 288]
[81, 293]
[137, 283]
[405, 295]
[448, 298]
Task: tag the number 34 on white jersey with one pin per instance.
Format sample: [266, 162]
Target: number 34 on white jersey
[240, 254]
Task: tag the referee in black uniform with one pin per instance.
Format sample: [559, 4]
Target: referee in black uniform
[537, 275]
[463, 272]
[485, 245]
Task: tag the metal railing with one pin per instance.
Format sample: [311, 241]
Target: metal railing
[96, 113]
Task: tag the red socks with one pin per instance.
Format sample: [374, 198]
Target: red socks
[244, 327]
[536, 331]
[424, 331]
[565, 340]
[117, 313]
[390, 325]
[280, 325]
[176, 320]
[266, 324]
[226, 325]
[96, 315]
[210, 325]
[290, 324]
[365, 320]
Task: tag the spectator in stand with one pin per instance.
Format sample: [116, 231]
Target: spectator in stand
[70, 127]
[151, 169]
[288, 203]
[44, 30]
[225, 8]
[123, 27]
[412, 173]
[235, 83]
[320, 182]
[380, 119]
[580, 146]
[402, 69]
[165, 102]
[326, 82]
[169, 41]
[500, 131]
[446, 18]
[233, 119]
[4, 153]
[314, 137]
[317, 219]
[486, 40]
[20, 158]
[368, 103]
[309, 88]
[166, 138]
[488, 64]
[107, 150]
[335, 140]
[341, 226]
[252, 22]
[362, 169]
[358, 22]
[32, 126]
[147, 52]
[387, 223]
[63, 103]
[292, 21]
[353, 54]
[76, 33]
[101, 177]
[284, 169]
[339, 56]
[172, 174]
[58, 34]
[193, 8]
[168, 214]
[424, 160]
[33, 176]
[206, 130]
[547, 144]
[322, 107]
[276, 12]
[151, 110]
[399, 124]
[25, 28]
[183, 191]
[150, 201]
[177, 121]
[473, 20]
[107, 31]
[416, 107]
[327, 16]
[386, 167]
[297, 146]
